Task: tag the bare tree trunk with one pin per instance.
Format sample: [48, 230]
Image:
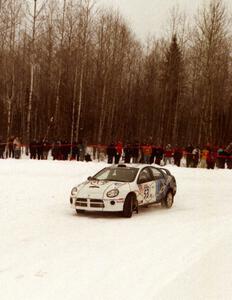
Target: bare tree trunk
[56, 113]
[32, 67]
[87, 10]
[102, 114]
[74, 107]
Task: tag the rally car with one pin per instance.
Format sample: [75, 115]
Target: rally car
[124, 188]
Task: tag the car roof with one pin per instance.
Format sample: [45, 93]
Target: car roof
[136, 166]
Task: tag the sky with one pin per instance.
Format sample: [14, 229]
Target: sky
[149, 17]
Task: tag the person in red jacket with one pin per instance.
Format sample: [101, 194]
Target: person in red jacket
[168, 154]
[118, 153]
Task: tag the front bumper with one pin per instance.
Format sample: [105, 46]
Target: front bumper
[91, 204]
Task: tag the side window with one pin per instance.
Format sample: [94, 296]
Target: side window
[156, 174]
[145, 176]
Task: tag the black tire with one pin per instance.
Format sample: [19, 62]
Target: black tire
[128, 207]
[167, 202]
[80, 211]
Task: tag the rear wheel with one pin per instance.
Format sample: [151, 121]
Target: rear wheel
[168, 200]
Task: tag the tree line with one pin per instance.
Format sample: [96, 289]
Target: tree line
[72, 70]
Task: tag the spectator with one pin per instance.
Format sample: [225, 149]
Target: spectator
[204, 155]
[147, 151]
[2, 148]
[101, 153]
[10, 147]
[56, 152]
[135, 152]
[195, 157]
[159, 153]
[177, 155]
[189, 155]
[33, 149]
[118, 154]
[65, 148]
[39, 147]
[228, 152]
[221, 158]
[17, 148]
[111, 152]
[88, 157]
[128, 153]
[152, 154]
[81, 148]
[210, 159]
[46, 149]
[75, 152]
[168, 154]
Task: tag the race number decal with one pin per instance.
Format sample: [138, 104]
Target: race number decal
[146, 192]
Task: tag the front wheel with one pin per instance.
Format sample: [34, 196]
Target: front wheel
[128, 207]
[168, 200]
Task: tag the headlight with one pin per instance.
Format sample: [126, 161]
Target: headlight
[74, 191]
[113, 193]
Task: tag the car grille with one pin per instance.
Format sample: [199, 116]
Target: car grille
[81, 202]
[95, 203]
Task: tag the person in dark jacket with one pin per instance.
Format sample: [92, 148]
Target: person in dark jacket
[228, 152]
[211, 158]
[39, 147]
[87, 157]
[65, 148]
[177, 155]
[189, 155]
[10, 147]
[46, 149]
[159, 153]
[33, 149]
[75, 152]
[128, 153]
[2, 148]
[153, 152]
[111, 152]
[135, 152]
[56, 151]
[221, 158]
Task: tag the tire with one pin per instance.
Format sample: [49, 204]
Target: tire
[167, 202]
[80, 211]
[128, 207]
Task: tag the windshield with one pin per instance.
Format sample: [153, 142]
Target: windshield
[117, 174]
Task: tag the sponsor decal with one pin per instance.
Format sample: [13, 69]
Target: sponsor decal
[121, 200]
[97, 182]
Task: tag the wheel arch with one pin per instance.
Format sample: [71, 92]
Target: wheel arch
[133, 194]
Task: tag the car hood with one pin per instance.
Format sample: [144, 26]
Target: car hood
[98, 188]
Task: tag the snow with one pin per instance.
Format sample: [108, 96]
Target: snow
[49, 252]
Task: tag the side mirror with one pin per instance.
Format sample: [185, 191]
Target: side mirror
[89, 178]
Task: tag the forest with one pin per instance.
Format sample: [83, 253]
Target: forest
[73, 70]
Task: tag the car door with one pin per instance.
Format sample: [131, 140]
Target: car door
[159, 180]
[146, 186]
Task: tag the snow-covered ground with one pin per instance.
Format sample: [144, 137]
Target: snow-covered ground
[48, 252]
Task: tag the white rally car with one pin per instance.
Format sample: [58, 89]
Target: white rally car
[123, 188]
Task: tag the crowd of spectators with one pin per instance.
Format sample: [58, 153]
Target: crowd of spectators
[206, 157]
[189, 156]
